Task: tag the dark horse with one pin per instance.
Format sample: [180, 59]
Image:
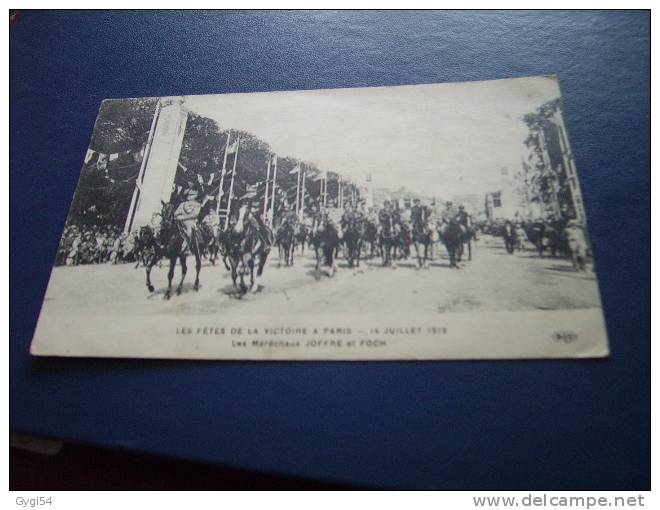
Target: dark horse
[402, 240]
[453, 237]
[301, 235]
[353, 230]
[175, 239]
[325, 241]
[509, 234]
[422, 236]
[148, 251]
[370, 236]
[286, 243]
[246, 247]
[388, 239]
[470, 235]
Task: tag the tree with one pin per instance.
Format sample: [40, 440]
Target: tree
[548, 184]
[103, 195]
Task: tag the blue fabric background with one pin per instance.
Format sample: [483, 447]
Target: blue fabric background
[458, 425]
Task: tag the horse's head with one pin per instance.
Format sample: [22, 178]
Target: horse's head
[243, 214]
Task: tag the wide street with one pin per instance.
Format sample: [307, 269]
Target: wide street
[494, 280]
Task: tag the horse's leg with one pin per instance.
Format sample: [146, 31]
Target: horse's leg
[198, 267]
[148, 271]
[331, 260]
[317, 274]
[419, 258]
[253, 286]
[184, 270]
[170, 275]
[234, 273]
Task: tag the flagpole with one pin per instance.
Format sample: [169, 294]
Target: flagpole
[272, 201]
[297, 190]
[140, 176]
[222, 175]
[325, 189]
[340, 201]
[302, 195]
[231, 184]
[266, 192]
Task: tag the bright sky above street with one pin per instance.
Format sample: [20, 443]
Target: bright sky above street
[439, 139]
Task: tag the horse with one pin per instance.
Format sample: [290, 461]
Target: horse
[453, 235]
[325, 241]
[210, 242]
[509, 232]
[179, 234]
[370, 236]
[286, 243]
[148, 251]
[243, 245]
[422, 237]
[300, 237]
[577, 245]
[535, 234]
[470, 235]
[353, 229]
[387, 239]
[402, 241]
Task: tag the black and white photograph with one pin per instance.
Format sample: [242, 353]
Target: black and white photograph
[418, 221]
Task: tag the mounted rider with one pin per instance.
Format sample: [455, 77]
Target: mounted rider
[288, 221]
[420, 217]
[249, 210]
[320, 217]
[289, 217]
[451, 215]
[386, 218]
[351, 217]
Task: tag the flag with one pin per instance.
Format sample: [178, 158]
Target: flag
[233, 147]
[295, 169]
[138, 155]
[114, 156]
[93, 159]
[89, 155]
[319, 176]
[250, 191]
[102, 162]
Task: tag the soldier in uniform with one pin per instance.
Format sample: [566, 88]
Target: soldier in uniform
[386, 221]
[319, 215]
[254, 219]
[419, 214]
[289, 220]
[348, 217]
[288, 216]
[462, 216]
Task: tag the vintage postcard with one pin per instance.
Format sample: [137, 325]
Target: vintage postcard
[439, 221]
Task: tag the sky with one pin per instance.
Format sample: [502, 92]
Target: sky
[437, 139]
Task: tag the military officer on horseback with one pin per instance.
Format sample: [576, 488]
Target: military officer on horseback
[251, 217]
[289, 217]
[386, 219]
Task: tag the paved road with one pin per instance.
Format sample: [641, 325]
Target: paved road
[493, 280]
